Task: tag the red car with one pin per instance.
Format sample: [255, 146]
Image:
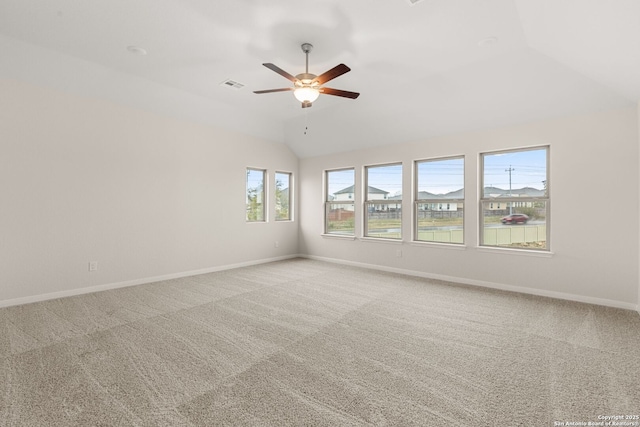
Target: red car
[515, 219]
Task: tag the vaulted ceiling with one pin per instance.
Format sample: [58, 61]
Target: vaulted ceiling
[425, 69]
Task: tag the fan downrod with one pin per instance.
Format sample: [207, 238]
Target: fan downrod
[305, 77]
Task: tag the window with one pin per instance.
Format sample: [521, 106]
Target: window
[255, 196]
[520, 180]
[284, 196]
[383, 201]
[440, 183]
[339, 205]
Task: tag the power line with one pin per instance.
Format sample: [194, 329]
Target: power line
[510, 204]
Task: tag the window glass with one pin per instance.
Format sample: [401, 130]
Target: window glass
[283, 196]
[339, 202]
[512, 172]
[255, 195]
[515, 203]
[383, 203]
[439, 214]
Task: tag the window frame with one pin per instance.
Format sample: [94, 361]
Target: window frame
[327, 203]
[290, 196]
[264, 196]
[511, 201]
[439, 202]
[367, 203]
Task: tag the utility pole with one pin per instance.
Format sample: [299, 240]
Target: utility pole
[510, 203]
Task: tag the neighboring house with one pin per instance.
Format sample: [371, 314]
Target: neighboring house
[344, 194]
[348, 194]
[498, 193]
[395, 206]
[434, 204]
[515, 192]
[440, 206]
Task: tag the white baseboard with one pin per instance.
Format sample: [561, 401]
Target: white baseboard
[106, 287]
[499, 286]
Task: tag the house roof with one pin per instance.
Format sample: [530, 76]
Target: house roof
[491, 191]
[457, 194]
[515, 192]
[455, 66]
[372, 190]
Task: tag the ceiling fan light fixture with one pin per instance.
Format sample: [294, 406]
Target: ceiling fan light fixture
[306, 94]
[306, 86]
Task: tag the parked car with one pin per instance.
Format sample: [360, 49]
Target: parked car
[515, 219]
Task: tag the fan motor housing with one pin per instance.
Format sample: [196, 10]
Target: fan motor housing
[306, 78]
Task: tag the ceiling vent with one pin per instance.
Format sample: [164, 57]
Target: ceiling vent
[232, 84]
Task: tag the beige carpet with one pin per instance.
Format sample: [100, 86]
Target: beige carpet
[308, 343]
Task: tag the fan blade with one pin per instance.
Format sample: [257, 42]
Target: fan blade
[280, 71]
[338, 92]
[273, 90]
[336, 71]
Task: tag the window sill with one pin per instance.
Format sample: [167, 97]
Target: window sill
[440, 245]
[338, 236]
[382, 240]
[519, 252]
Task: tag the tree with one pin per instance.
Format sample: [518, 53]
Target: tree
[255, 210]
[282, 201]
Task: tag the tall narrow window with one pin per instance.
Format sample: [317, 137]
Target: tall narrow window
[518, 181]
[339, 202]
[439, 183]
[284, 196]
[255, 196]
[383, 201]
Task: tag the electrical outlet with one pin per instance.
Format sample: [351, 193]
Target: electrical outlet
[276, 244]
[93, 265]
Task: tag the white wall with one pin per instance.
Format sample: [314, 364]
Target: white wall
[144, 195]
[148, 196]
[594, 162]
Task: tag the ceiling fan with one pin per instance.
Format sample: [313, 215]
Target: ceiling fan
[308, 87]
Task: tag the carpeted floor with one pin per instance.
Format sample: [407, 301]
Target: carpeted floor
[309, 343]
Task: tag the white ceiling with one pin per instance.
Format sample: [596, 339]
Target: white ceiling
[421, 69]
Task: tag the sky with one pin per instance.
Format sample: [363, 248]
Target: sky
[387, 178]
[441, 176]
[528, 169]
